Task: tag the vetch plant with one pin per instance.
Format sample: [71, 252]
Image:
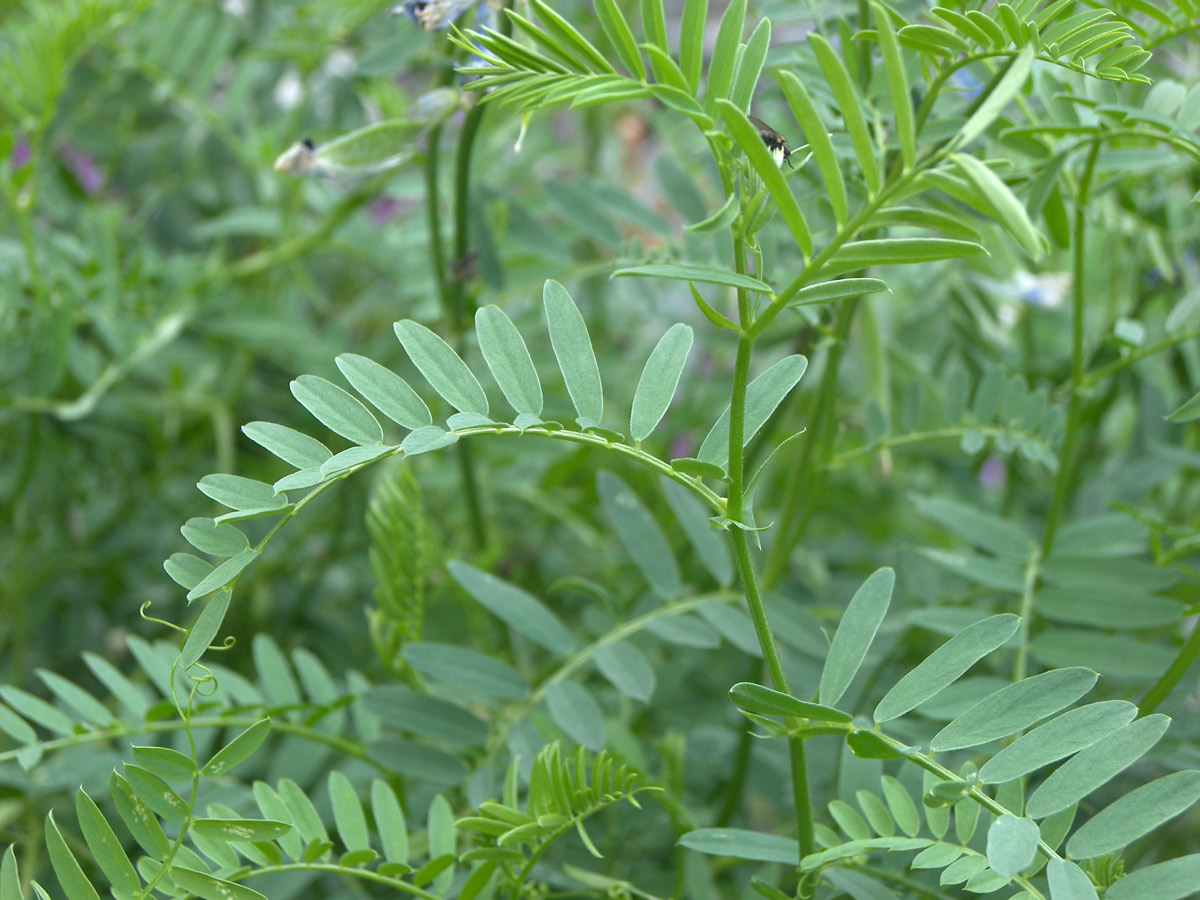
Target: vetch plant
[896, 170]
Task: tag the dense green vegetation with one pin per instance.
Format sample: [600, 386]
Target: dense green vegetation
[608, 499]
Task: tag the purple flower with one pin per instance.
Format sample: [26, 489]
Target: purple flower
[83, 166]
[383, 209]
[20, 152]
[993, 473]
[682, 446]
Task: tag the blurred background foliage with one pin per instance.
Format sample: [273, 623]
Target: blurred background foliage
[161, 284]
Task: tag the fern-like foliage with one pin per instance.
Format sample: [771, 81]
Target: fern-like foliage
[38, 50]
[563, 793]
[403, 553]
[215, 851]
[1091, 744]
[316, 467]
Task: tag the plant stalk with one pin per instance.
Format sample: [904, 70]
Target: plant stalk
[452, 322]
[1065, 475]
[741, 551]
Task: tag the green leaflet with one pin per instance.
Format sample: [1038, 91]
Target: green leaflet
[1014, 708]
[1187, 411]
[764, 701]
[337, 410]
[1009, 209]
[210, 888]
[138, 818]
[855, 633]
[1135, 814]
[850, 107]
[639, 533]
[519, 609]
[187, 570]
[467, 670]
[1005, 90]
[385, 390]
[37, 710]
[279, 685]
[742, 844]
[440, 824]
[238, 829]
[1170, 880]
[66, 867]
[424, 715]
[763, 396]
[877, 814]
[761, 161]
[931, 39]
[832, 291]
[105, 846]
[223, 574]
[373, 148]
[16, 727]
[897, 81]
[442, 367]
[705, 274]
[861, 846]
[1068, 881]
[691, 41]
[616, 29]
[818, 141]
[719, 220]
[237, 750]
[508, 358]
[626, 668]
[215, 540]
[389, 821]
[240, 493]
[693, 516]
[721, 63]
[1093, 767]
[348, 812]
[660, 377]
[945, 665]
[10, 879]
[1060, 737]
[293, 447]
[83, 704]
[573, 350]
[1011, 845]
[898, 251]
[983, 529]
[750, 65]
[901, 806]
[575, 711]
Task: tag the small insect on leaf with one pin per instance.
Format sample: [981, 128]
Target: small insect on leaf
[775, 141]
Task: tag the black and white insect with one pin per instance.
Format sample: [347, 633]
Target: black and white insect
[775, 141]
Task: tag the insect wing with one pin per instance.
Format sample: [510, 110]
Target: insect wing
[775, 141]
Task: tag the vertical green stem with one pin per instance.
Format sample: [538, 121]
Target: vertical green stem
[741, 760]
[1028, 593]
[1066, 456]
[800, 490]
[1183, 661]
[741, 551]
[452, 322]
[800, 795]
[437, 254]
[462, 215]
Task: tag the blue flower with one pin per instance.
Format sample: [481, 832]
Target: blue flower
[432, 15]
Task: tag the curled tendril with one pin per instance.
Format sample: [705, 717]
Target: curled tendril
[142, 612]
[203, 685]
